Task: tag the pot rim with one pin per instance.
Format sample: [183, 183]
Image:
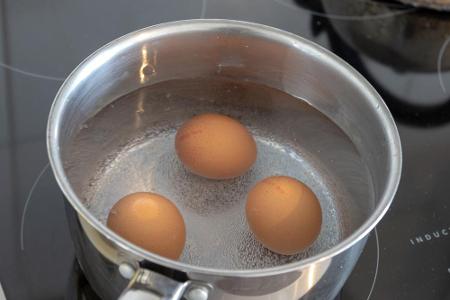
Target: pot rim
[393, 138]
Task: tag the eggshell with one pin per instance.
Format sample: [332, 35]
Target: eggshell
[215, 146]
[284, 214]
[150, 221]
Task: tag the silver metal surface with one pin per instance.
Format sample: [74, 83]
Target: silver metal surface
[435, 4]
[397, 41]
[345, 145]
[150, 285]
[147, 285]
[2, 294]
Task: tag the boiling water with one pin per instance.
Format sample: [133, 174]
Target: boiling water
[136, 134]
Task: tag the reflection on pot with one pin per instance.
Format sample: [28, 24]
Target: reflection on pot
[412, 44]
[434, 4]
[409, 42]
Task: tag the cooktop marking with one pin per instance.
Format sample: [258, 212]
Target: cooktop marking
[433, 235]
[203, 11]
[31, 74]
[376, 267]
[25, 207]
[439, 64]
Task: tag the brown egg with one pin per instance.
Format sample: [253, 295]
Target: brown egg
[284, 214]
[150, 221]
[215, 146]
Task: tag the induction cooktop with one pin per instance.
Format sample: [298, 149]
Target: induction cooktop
[402, 50]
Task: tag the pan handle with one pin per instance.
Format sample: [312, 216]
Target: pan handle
[146, 285]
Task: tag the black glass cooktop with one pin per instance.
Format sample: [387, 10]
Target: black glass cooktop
[402, 50]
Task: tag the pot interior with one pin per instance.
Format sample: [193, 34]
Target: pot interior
[123, 106]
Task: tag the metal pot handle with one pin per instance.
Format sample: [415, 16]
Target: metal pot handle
[148, 285]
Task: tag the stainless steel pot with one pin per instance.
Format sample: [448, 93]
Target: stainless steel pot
[393, 35]
[435, 4]
[235, 51]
